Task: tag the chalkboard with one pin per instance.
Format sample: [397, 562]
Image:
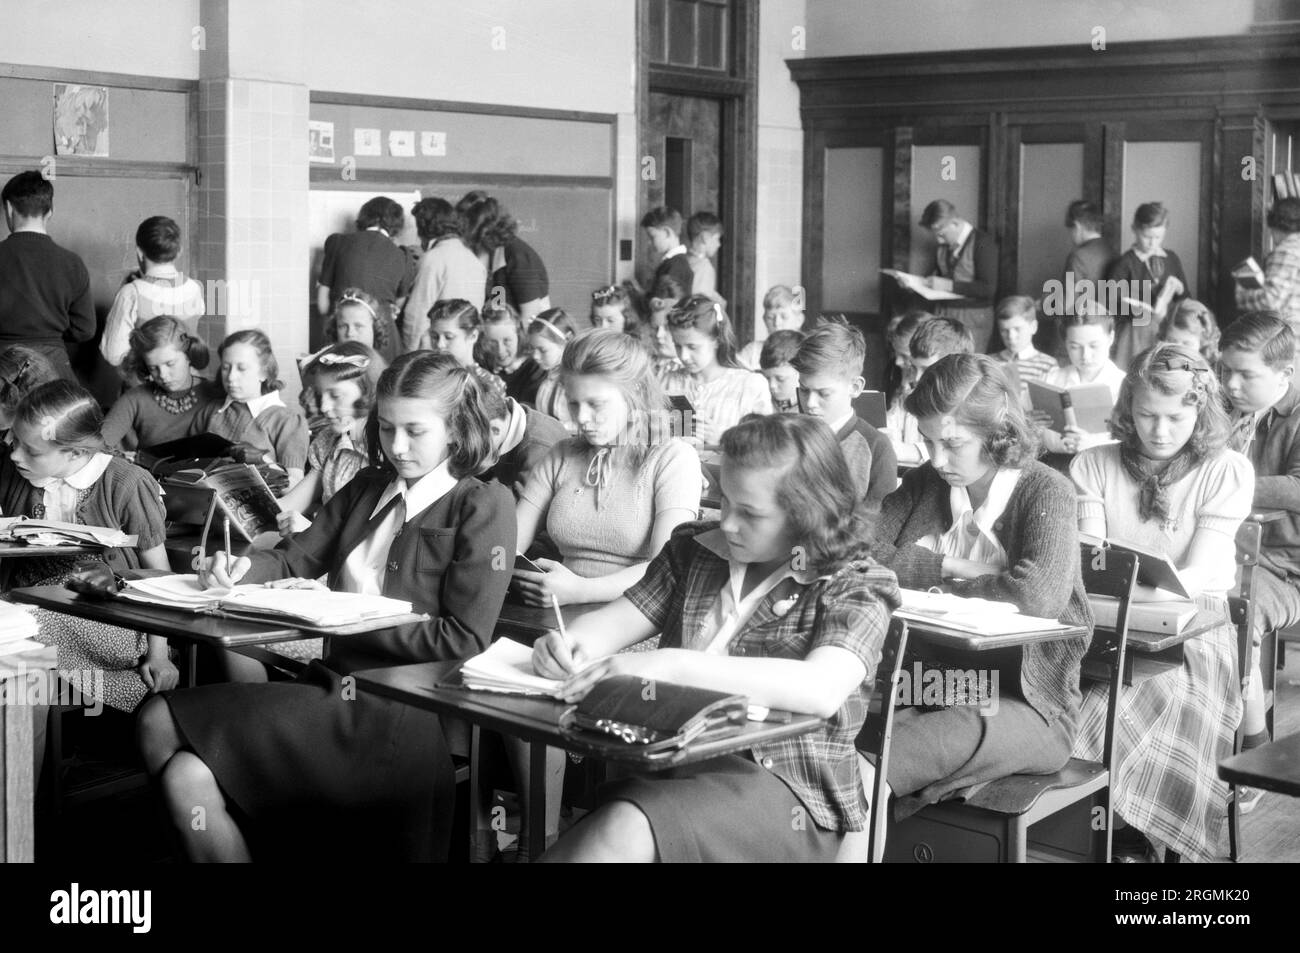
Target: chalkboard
[571, 227]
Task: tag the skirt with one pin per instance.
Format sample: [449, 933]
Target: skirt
[726, 810]
[100, 661]
[1171, 732]
[317, 767]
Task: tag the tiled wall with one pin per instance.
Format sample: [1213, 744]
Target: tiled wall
[253, 211]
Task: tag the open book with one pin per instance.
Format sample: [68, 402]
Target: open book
[1086, 406]
[916, 283]
[244, 497]
[53, 533]
[944, 610]
[304, 608]
[1155, 569]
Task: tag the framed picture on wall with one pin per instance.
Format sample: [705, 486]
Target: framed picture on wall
[80, 120]
[320, 141]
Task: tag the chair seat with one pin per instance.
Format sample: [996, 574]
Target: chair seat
[1019, 793]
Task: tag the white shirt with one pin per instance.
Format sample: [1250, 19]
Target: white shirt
[366, 567]
[674, 252]
[837, 425]
[730, 612]
[971, 534]
[60, 494]
[256, 405]
[516, 427]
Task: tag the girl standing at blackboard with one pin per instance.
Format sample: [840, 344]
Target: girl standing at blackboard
[514, 269]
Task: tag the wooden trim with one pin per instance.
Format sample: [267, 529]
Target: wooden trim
[813, 241]
[685, 82]
[418, 178]
[1112, 183]
[96, 78]
[82, 166]
[325, 97]
[1009, 238]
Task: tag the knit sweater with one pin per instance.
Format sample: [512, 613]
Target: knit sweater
[1043, 578]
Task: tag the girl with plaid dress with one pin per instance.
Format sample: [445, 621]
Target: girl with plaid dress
[1171, 484]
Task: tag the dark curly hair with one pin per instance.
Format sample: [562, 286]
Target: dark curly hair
[816, 489]
[488, 225]
[974, 392]
[703, 314]
[385, 213]
[1169, 369]
[435, 219]
[163, 331]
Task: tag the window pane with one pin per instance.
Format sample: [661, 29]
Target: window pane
[658, 26]
[712, 36]
[681, 32]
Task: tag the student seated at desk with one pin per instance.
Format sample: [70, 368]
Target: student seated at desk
[421, 528]
[829, 362]
[521, 437]
[1257, 368]
[984, 518]
[1089, 335]
[59, 469]
[1170, 484]
[165, 355]
[736, 616]
[934, 338]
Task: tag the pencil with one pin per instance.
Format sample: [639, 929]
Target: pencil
[226, 527]
[559, 617]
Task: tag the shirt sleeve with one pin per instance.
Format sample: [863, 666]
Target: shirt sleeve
[653, 596]
[1088, 471]
[984, 284]
[539, 488]
[143, 513]
[424, 293]
[81, 312]
[1226, 493]
[1281, 280]
[121, 319]
[288, 433]
[119, 424]
[757, 397]
[853, 614]
[329, 262]
[679, 480]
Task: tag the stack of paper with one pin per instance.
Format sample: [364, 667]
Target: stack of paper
[53, 533]
[17, 629]
[507, 666]
[309, 606]
[977, 616]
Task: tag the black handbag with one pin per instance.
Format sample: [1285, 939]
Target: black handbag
[654, 715]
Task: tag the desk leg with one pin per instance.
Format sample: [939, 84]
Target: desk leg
[482, 837]
[191, 665]
[536, 801]
[17, 784]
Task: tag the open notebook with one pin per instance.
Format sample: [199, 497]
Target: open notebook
[17, 629]
[976, 616]
[53, 533]
[307, 608]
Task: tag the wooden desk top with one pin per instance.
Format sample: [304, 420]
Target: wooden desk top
[1273, 767]
[537, 719]
[155, 620]
[970, 642]
[1152, 642]
[527, 623]
[9, 550]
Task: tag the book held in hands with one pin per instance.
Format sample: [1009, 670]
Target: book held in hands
[1086, 406]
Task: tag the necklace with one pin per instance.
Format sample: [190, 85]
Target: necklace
[173, 404]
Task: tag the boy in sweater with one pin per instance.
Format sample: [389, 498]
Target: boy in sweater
[829, 362]
[1257, 366]
[45, 300]
[663, 227]
[1017, 321]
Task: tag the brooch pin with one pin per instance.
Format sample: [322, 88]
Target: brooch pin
[782, 607]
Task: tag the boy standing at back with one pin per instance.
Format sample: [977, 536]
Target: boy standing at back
[663, 227]
[1017, 321]
[1257, 366]
[829, 362]
[45, 300]
[704, 233]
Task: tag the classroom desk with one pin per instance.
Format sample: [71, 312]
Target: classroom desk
[190, 628]
[529, 623]
[537, 721]
[180, 548]
[17, 764]
[1154, 653]
[970, 642]
[9, 550]
[1272, 767]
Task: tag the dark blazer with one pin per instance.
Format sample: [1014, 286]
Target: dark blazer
[1277, 483]
[1039, 532]
[452, 561]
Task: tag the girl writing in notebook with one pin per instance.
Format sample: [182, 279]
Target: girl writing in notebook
[737, 614]
[166, 356]
[1170, 484]
[59, 469]
[251, 411]
[306, 758]
[983, 518]
[712, 379]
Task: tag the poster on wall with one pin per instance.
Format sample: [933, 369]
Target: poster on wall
[80, 120]
[433, 143]
[401, 142]
[366, 142]
[320, 141]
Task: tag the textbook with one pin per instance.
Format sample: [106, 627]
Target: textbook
[244, 497]
[1165, 618]
[870, 406]
[1249, 275]
[1086, 406]
[1155, 569]
[21, 529]
[916, 283]
[305, 608]
[943, 610]
[682, 422]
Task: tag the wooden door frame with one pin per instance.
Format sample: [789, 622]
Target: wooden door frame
[738, 93]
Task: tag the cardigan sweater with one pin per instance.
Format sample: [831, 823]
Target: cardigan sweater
[1038, 531]
[445, 561]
